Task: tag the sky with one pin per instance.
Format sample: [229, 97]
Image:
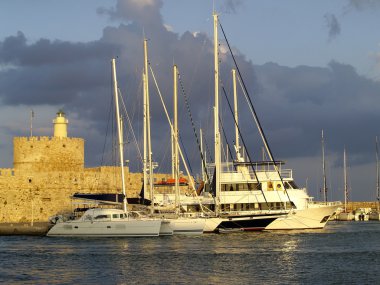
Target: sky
[308, 66]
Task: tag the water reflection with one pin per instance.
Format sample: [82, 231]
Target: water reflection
[266, 257]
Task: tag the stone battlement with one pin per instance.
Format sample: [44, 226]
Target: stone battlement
[45, 139]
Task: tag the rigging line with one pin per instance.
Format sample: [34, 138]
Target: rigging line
[130, 124]
[172, 129]
[250, 104]
[185, 152]
[108, 123]
[192, 123]
[242, 140]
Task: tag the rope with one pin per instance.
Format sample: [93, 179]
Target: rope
[254, 113]
[192, 124]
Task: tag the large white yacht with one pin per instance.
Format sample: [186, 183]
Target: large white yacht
[246, 195]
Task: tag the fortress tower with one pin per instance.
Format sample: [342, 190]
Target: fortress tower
[44, 154]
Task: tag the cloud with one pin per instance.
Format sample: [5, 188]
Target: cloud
[294, 104]
[361, 5]
[142, 12]
[231, 6]
[332, 25]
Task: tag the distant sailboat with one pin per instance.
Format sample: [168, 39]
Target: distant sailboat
[375, 214]
[345, 215]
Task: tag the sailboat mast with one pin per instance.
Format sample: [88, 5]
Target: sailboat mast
[237, 146]
[147, 120]
[118, 119]
[324, 170]
[216, 118]
[377, 176]
[175, 140]
[145, 154]
[345, 180]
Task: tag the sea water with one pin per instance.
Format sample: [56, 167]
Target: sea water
[342, 253]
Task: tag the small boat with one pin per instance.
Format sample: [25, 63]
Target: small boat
[375, 213]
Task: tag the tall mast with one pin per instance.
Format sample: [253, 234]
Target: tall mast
[237, 146]
[204, 156]
[324, 170]
[377, 176]
[216, 118]
[175, 140]
[147, 121]
[145, 154]
[345, 180]
[118, 119]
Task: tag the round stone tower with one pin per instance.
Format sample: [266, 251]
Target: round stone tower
[60, 125]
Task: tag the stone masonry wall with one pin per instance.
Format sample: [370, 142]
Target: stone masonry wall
[48, 154]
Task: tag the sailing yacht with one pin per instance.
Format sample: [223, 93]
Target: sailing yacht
[102, 222]
[375, 214]
[345, 215]
[174, 223]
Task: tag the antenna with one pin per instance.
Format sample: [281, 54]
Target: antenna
[31, 122]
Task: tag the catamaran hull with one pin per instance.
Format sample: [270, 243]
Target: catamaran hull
[310, 218]
[131, 228]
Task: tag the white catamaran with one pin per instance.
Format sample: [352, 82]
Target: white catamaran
[102, 222]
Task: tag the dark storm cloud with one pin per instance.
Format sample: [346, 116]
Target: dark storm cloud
[332, 26]
[294, 104]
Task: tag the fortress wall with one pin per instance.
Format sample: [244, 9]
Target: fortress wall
[48, 154]
[39, 195]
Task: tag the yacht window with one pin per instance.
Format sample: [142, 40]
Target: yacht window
[121, 216]
[102, 217]
[293, 185]
[115, 216]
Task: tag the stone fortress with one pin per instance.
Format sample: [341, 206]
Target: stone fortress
[47, 171]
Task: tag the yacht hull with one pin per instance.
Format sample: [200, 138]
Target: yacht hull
[246, 223]
[211, 224]
[310, 218]
[187, 226]
[128, 228]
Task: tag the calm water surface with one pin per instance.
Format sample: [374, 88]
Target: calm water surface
[342, 253]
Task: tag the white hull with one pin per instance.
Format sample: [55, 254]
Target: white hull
[128, 228]
[187, 226]
[166, 229]
[100, 222]
[211, 224]
[374, 216]
[310, 218]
